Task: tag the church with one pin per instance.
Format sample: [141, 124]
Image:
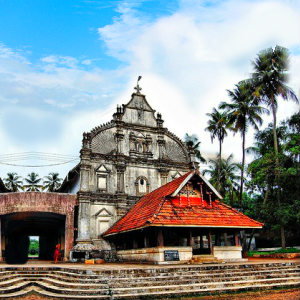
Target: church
[136, 192]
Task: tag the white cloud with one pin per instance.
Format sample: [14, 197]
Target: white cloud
[191, 57]
[187, 59]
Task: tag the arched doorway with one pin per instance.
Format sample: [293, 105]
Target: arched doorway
[48, 228]
[48, 216]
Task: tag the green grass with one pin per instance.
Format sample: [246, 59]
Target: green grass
[281, 250]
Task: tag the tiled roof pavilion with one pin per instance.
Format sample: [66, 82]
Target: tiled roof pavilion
[170, 206]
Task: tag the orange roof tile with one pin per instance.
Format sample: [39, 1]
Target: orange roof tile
[158, 208]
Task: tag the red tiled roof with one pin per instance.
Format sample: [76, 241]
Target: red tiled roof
[158, 208]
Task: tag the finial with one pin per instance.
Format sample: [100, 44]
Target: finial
[138, 88]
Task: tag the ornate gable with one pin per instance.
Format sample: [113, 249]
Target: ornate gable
[138, 111]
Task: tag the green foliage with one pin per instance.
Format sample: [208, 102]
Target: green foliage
[33, 183]
[193, 143]
[52, 182]
[281, 250]
[34, 247]
[223, 176]
[13, 182]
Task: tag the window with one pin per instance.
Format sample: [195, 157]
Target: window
[102, 181]
[142, 186]
[102, 173]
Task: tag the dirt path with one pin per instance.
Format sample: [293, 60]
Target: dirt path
[291, 294]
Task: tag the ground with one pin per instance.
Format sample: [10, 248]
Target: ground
[290, 294]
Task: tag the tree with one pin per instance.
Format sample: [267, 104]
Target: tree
[243, 112]
[268, 181]
[192, 142]
[13, 182]
[223, 176]
[52, 182]
[33, 181]
[217, 126]
[270, 78]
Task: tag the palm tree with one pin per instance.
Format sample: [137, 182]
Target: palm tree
[192, 142]
[13, 182]
[217, 125]
[223, 176]
[33, 181]
[52, 182]
[270, 78]
[243, 111]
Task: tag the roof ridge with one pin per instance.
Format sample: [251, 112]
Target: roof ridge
[155, 215]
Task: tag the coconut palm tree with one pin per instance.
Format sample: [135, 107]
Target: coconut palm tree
[33, 181]
[217, 126]
[223, 176]
[270, 78]
[13, 182]
[52, 182]
[193, 143]
[243, 112]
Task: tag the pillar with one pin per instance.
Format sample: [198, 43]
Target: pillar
[146, 241]
[160, 238]
[225, 239]
[84, 220]
[190, 239]
[201, 241]
[1, 258]
[120, 177]
[69, 234]
[236, 239]
[210, 243]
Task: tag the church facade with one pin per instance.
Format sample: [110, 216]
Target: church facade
[121, 161]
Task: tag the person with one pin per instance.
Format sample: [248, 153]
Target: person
[56, 253]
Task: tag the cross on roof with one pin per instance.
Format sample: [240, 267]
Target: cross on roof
[138, 88]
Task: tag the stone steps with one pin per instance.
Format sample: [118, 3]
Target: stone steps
[164, 276]
[70, 283]
[148, 280]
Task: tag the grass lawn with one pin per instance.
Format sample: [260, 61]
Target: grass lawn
[282, 250]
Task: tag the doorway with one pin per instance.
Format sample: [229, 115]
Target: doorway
[31, 235]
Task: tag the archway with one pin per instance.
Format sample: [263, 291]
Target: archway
[18, 227]
[47, 215]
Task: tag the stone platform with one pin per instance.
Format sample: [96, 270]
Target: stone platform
[135, 281]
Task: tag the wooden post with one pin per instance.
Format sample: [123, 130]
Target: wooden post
[146, 241]
[236, 239]
[135, 244]
[210, 243]
[225, 239]
[160, 238]
[201, 241]
[190, 239]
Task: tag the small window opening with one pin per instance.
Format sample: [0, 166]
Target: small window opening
[142, 181]
[34, 247]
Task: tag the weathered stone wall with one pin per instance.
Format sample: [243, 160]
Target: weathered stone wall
[155, 254]
[120, 161]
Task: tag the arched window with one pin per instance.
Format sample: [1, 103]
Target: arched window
[142, 186]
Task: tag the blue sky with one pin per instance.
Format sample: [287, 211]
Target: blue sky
[65, 65]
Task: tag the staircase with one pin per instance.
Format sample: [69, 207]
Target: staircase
[205, 259]
[156, 282]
